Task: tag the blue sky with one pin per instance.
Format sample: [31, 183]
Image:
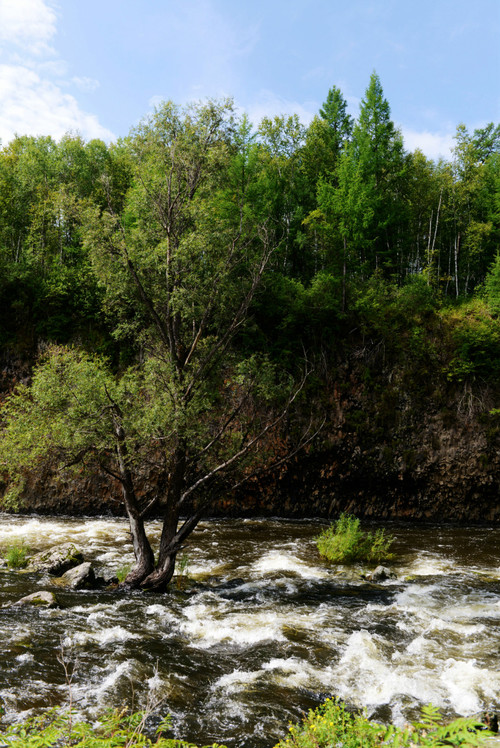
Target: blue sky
[99, 67]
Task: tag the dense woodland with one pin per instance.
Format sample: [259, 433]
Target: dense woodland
[234, 280]
[351, 216]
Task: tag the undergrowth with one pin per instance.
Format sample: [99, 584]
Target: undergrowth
[328, 726]
[332, 725]
[16, 556]
[117, 729]
[346, 542]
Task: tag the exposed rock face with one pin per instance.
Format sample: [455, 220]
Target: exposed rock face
[43, 599]
[393, 448]
[57, 560]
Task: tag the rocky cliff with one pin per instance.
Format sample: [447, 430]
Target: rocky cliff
[389, 450]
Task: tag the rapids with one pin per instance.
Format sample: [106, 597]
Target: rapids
[262, 631]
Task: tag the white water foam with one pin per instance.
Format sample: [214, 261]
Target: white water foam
[207, 629]
[102, 637]
[237, 680]
[469, 686]
[275, 561]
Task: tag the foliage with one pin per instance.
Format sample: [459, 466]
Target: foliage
[345, 542]
[492, 286]
[116, 729]
[122, 572]
[332, 725]
[328, 725]
[182, 571]
[476, 341]
[203, 262]
[16, 555]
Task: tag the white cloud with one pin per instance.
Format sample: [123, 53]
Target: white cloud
[31, 105]
[33, 77]
[269, 104]
[30, 24]
[434, 145]
[86, 84]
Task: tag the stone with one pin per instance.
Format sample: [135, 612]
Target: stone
[79, 577]
[380, 574]
[106, 578]
[43, 598]
[57, 560]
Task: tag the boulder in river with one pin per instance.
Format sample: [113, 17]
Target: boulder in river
[43, 598]
[80, 577]
[380, 574]
[57, 560]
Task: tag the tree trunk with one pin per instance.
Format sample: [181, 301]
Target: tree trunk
[144, 556]
[158, 579]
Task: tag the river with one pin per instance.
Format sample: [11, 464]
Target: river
[262, 631]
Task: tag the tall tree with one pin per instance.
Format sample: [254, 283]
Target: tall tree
[182, 263]
[377, 149]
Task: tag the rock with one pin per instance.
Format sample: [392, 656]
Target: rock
[380, 574]
[57, 560]
[43, 599]
[79, 577]
[106, 578]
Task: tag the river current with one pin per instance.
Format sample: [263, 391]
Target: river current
[261, 631]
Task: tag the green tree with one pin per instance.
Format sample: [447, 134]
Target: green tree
[377, 150]
[492, 286]
[182, 263]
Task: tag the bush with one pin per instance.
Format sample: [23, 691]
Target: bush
[16, 556]
[122, 572]
[345, 542]
[332, 725]
[116, 729]
[492, 286]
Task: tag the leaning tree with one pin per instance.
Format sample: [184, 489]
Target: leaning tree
[182, 260]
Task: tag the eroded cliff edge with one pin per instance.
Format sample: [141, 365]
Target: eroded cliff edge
[394, 447]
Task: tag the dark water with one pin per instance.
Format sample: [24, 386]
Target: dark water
[263, 632]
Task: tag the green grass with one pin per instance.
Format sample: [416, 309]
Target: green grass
[345, 542]
[16, 556]
[122, 572]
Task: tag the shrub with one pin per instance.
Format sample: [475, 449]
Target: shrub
[492, 286]
[345, 542]
[116, 729]
[16, 556]
[332, 725]
[122, 572]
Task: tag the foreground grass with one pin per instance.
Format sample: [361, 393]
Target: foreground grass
[328, 726]
[117, 729]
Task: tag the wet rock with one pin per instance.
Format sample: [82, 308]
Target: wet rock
[44, 598]
[491, 721]
[57, 560]
[380, 574]
[106, 578]
[80, 577]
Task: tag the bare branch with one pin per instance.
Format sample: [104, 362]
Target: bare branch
[245, 449]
